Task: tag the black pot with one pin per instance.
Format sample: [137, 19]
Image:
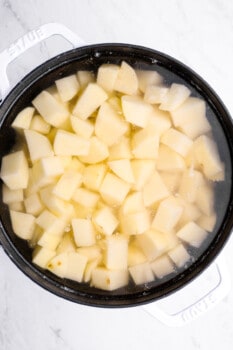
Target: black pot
[90, 58]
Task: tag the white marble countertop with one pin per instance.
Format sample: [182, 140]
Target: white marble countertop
[199, 33]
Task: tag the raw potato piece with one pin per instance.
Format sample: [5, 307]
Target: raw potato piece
[66, 244]
[155, 94]
[205, 199]
[126, 81]
[84, 232]
[49, 241]
[93, 176]
[85, 197]
[41, 256]
[83, 128]
[39, 124]
[142, 170]
[133, 203]
[171, 180]
[23, 118]
[92, 97]
[109, 127]
[177, 141]
[207, 155]
[98, 151]
[135, 255]
[85, 77]
[179, 255]
[135, 110]
[105, 221]
[33, 204]
[67, 87]
[67, 184]
[168, 160]
[23, 224]
[141, 273]
[167, 215]
[107, 75]
[114, 190]
[175, 97]
[162, 266]
[53, 111]
[159, 121]
[190, 182]
[145, 144]
[121, 149]
[69, 144]
[153, 243]
[190, 117]
[50, 223]
[123, 169]
[147, 78]
[116, 253]
[192, 234]
[39, 145]
[109, 279]
[135, 223]
[207, 222]
[15, 170]
[11, 196]
[154, 190]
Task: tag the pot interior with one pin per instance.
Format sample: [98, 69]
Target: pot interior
[90, 58]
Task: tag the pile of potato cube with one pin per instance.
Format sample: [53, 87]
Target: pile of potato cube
[114, 176]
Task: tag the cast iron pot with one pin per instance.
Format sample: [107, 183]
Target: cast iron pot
[90, 58]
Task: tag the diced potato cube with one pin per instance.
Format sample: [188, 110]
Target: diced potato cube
[109, 126]
[83, 128]
[179, 255]
[11, 196]
[145, 144]
[116, 253]
[142, 170]
[167, 215]
[91, 265]
[69, 144]
[53, 111]
[15, 170]
[23, 118]
[162, 266]
[49, 241]
[39, 145]
[50, 223]
[85, 77]
[207, 222]
[190, 212]
[169, 160]
[92, 97]
[105, 220]
[121, 149]
[56, 205]
[41, 256]
[75, 164]
[155, 94]
[177, 141]
[192, 234]
[133, 203]
[39, 124]
[109, 279]
[159, 121]
[66, 244]
[205, 199]
[67, 87]
[84, 232]
[175, 97]
[153, 243]
[190, 182]
[58, 264]
[67, 184]
[123, 169]
[126, 81]
[135, 223]
[191, 160]
[93, 176]
[86, 197]
[33, 204]
[36, 236]
[154, 190]
[141, 273]
[147, 78]
[136, 111]
[190, 117]
[98, 151]
[113, 189]
[91, 252]
[171, 180]
[135, 255]
[23, 224]
[107, 75]
[207, 155]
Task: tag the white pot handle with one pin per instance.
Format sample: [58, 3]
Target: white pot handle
[201, 304]
[27, 41]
